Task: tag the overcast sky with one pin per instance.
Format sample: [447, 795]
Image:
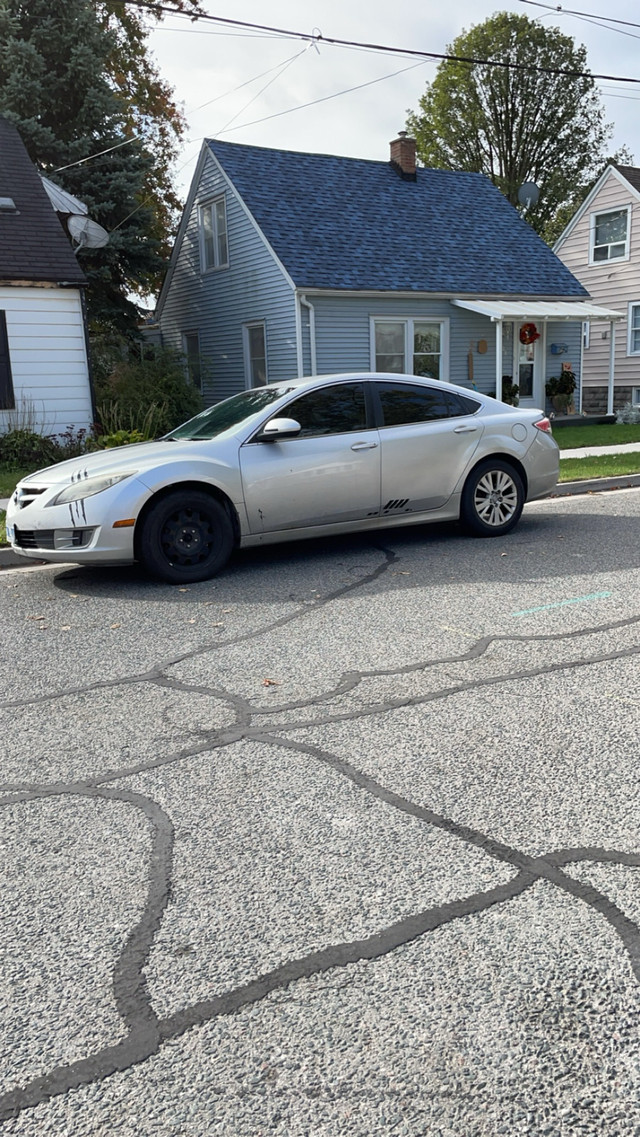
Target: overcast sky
[207, 64]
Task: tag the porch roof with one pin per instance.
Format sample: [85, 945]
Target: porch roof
[498, 310]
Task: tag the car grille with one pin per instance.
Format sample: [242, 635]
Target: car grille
[53, 538]
[26, 494]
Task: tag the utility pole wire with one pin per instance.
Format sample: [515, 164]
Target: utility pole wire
[319, 38]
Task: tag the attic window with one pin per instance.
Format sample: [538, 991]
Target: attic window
[214, 250]
[7, 205]
[610, 235]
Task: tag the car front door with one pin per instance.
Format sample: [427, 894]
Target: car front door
[428, 436]
[329, 473]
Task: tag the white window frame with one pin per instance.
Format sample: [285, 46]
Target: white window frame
[592, 234]
[210, 206]
[409, 322]
[186, 336]
[635, 396]
[246, 347]
[632, 304]
[586, 333]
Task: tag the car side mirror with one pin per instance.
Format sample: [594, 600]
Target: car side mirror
[278, 429]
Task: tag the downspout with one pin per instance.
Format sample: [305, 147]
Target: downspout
[498, 324]
[612, 357]
[581, 367]
[312, 332]
[299, 356]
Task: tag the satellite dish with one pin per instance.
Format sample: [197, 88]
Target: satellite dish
[528, 194]
[86, 233]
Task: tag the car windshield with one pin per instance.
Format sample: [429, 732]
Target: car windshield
[231, 412]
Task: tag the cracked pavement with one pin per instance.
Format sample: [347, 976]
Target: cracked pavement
[342, 842]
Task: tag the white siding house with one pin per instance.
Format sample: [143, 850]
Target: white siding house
[44, 369]
[601, 247]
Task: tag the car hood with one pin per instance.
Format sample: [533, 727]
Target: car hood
[135, 458]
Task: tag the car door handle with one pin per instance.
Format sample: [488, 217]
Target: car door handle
[364, 445]
[464, 429]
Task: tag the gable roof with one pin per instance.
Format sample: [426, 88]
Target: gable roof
[33, 246]
[627, 176]
[353, 224]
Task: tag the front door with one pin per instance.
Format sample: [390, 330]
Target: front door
[525, 352]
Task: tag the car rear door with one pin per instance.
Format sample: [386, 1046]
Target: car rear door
[428, 436]
[328, 474]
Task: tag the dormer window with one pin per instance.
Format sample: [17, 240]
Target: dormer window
[610, 235]
[214, 248]
[7, 205]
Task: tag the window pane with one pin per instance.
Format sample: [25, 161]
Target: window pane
[427, 366]
[611, 227]
[208, 239]
[635, 316]
[333, 410]
[256, 341]
[221, 231]
[426, 338]
[461, 405]
[390, 346]
[192, 352]
[393, 363]
[404, 403]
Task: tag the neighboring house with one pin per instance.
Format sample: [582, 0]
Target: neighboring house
[44, 373]
[292, 264]
[601, 247]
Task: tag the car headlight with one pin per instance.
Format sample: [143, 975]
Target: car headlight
[87, 487]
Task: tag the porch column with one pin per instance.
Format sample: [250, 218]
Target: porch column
[612, 357]
[498, 359]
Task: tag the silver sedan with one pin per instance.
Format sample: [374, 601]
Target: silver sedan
[322, 455]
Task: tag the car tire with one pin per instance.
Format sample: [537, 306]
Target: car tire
[185, 537]
[492, 499]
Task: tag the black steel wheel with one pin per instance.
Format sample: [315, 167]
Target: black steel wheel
[492, 498]
[185, 537]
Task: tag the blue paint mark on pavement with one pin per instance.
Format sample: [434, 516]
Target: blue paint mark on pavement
[562, 603]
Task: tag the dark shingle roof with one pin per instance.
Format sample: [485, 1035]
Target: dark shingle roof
[33, 246]
[348, 223]
[631, 173]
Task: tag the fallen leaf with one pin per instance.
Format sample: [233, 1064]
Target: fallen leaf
[191, 621]
[270, 683]
[503, 554]
[36, 617]
[65, 627]
[184, 590]
[114, 626]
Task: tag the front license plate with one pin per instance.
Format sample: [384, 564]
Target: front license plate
[11, 533]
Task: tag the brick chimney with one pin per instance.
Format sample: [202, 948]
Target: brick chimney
[403, 156]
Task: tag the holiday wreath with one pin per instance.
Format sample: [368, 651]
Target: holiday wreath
[529, 333]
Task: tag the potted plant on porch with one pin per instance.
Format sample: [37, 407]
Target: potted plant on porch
[560, 391]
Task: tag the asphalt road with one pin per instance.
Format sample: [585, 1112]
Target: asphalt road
[344, 842]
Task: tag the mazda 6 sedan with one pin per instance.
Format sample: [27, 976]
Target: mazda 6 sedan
[323, 455]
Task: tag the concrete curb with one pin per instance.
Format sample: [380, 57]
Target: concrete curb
[596, 485]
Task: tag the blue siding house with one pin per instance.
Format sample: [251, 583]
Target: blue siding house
[290, 264]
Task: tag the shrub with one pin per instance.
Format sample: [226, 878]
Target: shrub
[119, 438]
[510, 391]
[156, 387]
[21, 448]
[628, 413]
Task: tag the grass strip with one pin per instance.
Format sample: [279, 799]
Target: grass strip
[602, 466]
[598, 434]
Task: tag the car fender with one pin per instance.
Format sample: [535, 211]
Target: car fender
[507, 448]
[210, 471]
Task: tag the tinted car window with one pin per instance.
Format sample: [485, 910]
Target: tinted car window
[461, 404]
[404, 403]
[332, 410]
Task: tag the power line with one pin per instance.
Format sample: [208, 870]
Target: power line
[571, 12]
[320, 39]
[326, 98]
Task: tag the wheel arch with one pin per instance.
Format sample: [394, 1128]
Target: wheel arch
[192, 484]
[502, 457]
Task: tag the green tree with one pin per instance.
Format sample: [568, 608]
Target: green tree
[516, 124]
[76, 79]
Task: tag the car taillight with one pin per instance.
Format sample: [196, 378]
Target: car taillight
[544, 424]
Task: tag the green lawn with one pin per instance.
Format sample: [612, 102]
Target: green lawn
[9, 480]
[604, 466]
[605, 434]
